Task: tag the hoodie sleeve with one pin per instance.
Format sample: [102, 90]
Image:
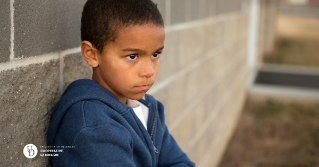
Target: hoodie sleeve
[103, 146]
[171, 154]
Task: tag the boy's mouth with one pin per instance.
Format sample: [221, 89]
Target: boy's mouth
[144, 87]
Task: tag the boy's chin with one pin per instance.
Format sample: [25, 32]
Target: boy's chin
[137, 96]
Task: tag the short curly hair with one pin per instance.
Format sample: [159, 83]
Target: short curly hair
[102, 19]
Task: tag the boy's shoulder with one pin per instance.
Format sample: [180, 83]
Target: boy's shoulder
[87, 99]
[92, 101]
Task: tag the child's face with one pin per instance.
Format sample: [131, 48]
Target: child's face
[128, 65]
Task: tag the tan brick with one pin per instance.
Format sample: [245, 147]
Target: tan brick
[214, 35]
[214, 97]
[169, 61]
[230, 115]
[175, 104]
[184, 131]
[191, 46]
[162, 96]
[192, 86]
[201, 148]
[230, 28]
[197, 115]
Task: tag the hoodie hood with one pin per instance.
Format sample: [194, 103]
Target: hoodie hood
[80, 90]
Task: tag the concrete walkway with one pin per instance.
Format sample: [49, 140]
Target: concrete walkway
[285, 82]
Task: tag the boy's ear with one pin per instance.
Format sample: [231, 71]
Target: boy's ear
[89, 53]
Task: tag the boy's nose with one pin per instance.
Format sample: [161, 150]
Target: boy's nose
[147, 69]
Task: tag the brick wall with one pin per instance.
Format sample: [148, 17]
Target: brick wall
[201, 80]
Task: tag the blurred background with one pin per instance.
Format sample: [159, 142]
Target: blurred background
[279, 125]
[238, 78]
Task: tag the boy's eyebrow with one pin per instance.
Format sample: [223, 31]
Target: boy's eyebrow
[137, 50]
[161, 48]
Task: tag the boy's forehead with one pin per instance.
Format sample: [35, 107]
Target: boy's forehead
[140, 34]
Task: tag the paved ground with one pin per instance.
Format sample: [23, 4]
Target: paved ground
[273, 134]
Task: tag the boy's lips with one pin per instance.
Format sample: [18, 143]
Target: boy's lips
[144, 87]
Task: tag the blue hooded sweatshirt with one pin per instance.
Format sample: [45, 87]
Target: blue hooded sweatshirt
[106, 132]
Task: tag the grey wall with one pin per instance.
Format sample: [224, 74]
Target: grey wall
[201, 80]
[46, 26]
[5, 31]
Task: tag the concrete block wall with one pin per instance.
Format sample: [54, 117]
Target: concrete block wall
[269, 10]
[201, 80]
[202, 77]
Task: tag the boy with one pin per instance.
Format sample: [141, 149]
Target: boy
[101, 118]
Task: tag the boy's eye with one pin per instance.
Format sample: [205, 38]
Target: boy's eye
[156, 55]
[132, 57]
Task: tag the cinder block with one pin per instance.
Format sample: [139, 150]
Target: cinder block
[28, 95]
[210, 8]
[202, 145]
[229, 80]
[169, 61]
[212, 130]
[161, 5]
[201, 148]
[229, 115]
[191, 86]
[46, 26]
[172, 98]
[75, 67]
[215, 110]
[197, 115]
[5, 31]
[184, 132]
[162, 96]
[198, 81]
[194, 9]
[175, 104]
[214, 36]
[230, 29]
[228, 6]
[178, 11]
[217, 133]
[214, 96]
[243, 25]
[175, 134]
[192, 45]
[192, 155]
[213, 68]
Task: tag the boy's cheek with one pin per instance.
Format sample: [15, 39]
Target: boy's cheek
[156, 66]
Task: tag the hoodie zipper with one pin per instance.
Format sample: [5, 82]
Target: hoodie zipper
[154, 122]
[153, 127]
